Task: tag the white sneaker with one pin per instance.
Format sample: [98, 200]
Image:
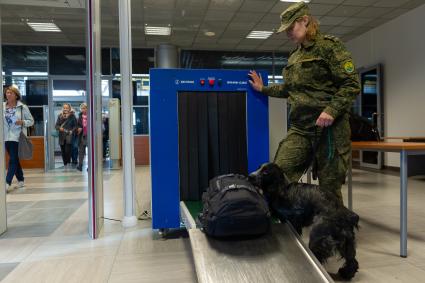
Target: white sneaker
[21, 184]
[9, 188]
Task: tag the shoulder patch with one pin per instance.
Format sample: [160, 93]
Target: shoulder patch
[349, 67]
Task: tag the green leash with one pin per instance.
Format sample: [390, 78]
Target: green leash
[330, 144]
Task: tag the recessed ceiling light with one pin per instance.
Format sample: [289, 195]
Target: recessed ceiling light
[209, 33]
[149, 30]
[44, 27]
[259, 34]
[305, 1]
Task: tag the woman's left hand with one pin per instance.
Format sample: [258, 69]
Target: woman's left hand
[324, 120]
[19, 122]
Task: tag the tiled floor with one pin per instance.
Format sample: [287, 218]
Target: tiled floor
[47, 239]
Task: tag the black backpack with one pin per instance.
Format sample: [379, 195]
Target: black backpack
[232, 206]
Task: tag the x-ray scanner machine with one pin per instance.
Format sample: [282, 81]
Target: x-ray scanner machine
[205, 123]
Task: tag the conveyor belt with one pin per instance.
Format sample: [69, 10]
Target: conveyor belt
[278, 257]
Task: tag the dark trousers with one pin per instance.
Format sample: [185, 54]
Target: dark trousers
[14, 168]
[82, 150]
[74, 149]
[66, 153]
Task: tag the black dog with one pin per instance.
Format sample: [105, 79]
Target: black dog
[304, 205]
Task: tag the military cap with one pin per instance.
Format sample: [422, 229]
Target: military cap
[291, 14]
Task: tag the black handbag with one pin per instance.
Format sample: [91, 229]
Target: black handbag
[25, 147]
[68, 138]
[232, 206]
[67, 135]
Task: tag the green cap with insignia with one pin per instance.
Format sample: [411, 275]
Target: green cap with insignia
[291, 14]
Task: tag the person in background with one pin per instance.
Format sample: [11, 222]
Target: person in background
[17, 118]
[105, 135]
[74, 143]
[82, 135]
[65, 125]
[321, 84]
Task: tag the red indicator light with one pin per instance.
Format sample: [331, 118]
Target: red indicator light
[202, 81]
[211, 82]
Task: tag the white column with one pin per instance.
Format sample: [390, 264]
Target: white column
[167, 56]
[130, 218]
[94, 99]
[3, 221]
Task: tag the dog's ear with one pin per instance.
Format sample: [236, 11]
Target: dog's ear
[277, 174]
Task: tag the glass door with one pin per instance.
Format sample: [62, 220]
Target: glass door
[371, 108]
[71, 90]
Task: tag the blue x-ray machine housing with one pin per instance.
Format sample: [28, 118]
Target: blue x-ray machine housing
[165, 85]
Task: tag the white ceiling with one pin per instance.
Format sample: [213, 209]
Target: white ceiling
[230, 20]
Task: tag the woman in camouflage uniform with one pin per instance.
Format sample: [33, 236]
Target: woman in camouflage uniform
[320, 83]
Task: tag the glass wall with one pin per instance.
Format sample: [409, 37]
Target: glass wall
[67, 60]
[24, 60]
[31, 67]
[140, 102]
[34, 93]
[143, 61]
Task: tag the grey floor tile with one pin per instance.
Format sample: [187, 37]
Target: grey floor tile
[6, 268]
[43, 215]
[11, 213]
[30, 230]
[17, 205]
[55, 179]
[50, 190]
[69, 203]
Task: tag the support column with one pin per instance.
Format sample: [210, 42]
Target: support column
[130, 218]
[3, 219]
[167, 56]
[94, 99]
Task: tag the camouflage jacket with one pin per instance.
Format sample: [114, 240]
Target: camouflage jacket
[320, 76]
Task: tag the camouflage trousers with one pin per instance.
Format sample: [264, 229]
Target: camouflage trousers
[294, 155]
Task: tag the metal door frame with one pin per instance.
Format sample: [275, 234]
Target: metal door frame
[3, 212]
[50, 153]
[380, 113]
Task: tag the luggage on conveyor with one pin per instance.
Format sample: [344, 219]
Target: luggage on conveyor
[232, 206]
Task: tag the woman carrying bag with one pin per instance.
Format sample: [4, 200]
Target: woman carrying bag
[65, 125]
[82, 135]
[17, 118]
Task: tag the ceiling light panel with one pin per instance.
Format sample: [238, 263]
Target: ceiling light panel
[259, 34]
[149, 30]
[44, 27]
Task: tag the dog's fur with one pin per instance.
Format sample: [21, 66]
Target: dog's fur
[333, 225]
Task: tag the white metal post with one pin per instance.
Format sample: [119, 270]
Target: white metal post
[130, 218]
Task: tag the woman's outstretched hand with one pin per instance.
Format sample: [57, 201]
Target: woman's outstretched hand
[256, 81]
